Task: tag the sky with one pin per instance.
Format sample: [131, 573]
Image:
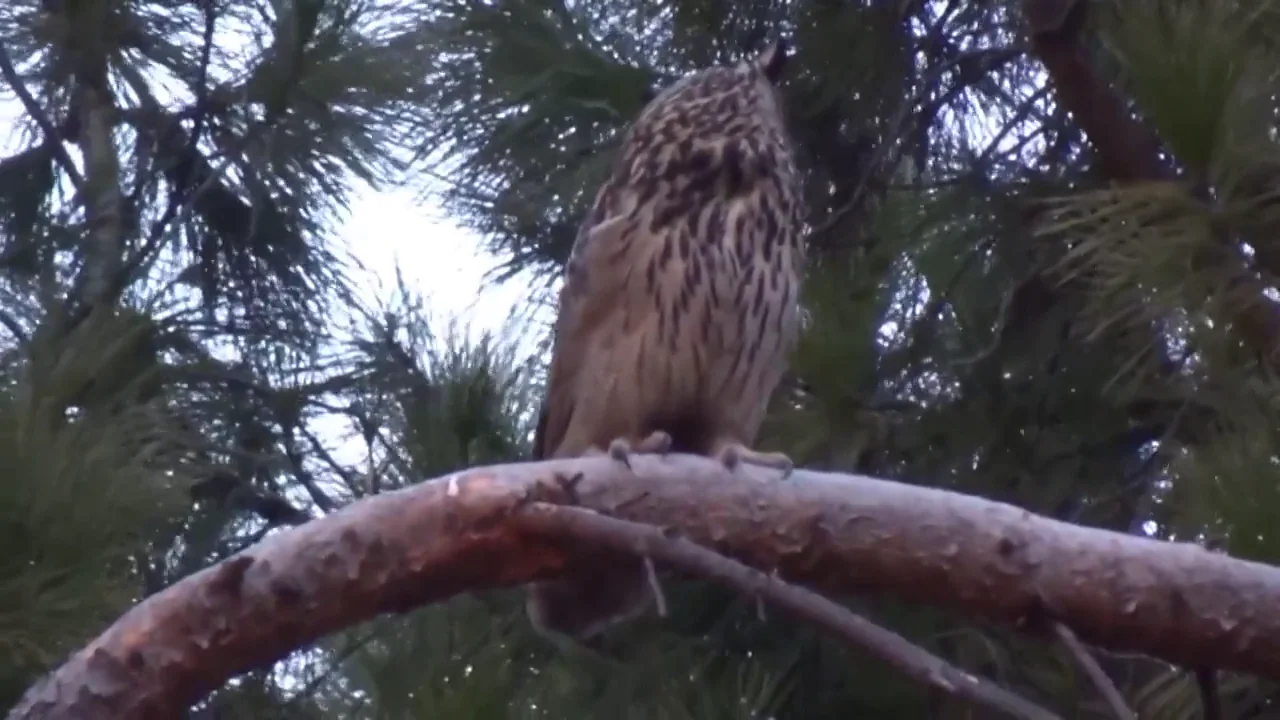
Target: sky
[438, 259]
[436, 256]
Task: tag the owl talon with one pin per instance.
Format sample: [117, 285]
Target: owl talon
[655, 443]
[619, 450]
[733, 455]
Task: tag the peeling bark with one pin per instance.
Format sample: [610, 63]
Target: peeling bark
[838, 534]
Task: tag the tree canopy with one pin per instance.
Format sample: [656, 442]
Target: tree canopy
[1038, 273]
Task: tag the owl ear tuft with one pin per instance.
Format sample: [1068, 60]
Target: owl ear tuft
[773, 59]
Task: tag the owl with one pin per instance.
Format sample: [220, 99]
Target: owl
[679, 308]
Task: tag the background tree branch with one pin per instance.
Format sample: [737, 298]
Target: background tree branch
[52, 138]
[587, 527]
[837, 533]
[1128, 152]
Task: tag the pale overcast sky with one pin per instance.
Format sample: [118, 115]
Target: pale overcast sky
[436, 257]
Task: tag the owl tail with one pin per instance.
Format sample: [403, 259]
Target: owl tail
[590, 597]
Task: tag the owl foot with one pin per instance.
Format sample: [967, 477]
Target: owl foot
[731, 455]
[657, 443]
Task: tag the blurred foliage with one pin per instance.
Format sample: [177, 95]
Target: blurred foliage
[186, 364]
[82, 493]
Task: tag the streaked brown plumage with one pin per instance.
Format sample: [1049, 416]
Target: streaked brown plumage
[679, 306]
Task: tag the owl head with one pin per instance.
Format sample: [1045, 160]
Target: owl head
[769, 63]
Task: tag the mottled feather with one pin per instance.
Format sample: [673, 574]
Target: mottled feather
[679, 307]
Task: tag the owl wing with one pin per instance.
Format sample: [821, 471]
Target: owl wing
[594, 284]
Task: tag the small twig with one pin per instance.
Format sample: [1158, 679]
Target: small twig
[51, 137]
[659, 597]
[331, 669]
[323, 453]
[178, 212]
[306, 478]
[1105, 686]
[201, 107]
[650, 541]
[13, 326]
[1210, 702]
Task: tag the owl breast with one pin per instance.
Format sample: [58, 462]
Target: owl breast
[722, 287]
[707, 312]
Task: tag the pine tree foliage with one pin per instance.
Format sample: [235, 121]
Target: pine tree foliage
[184, 366]
[80, 497]
[170, 276]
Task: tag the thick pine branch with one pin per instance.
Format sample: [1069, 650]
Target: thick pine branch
[839, 534]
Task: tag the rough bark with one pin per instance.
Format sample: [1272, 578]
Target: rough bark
[836, 533]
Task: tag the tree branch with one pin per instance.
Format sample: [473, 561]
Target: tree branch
[180, 200]
[1128, 152]
[648, 541]
[104, 245]
[52, 139]
[1097, 676]
[837, 533]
